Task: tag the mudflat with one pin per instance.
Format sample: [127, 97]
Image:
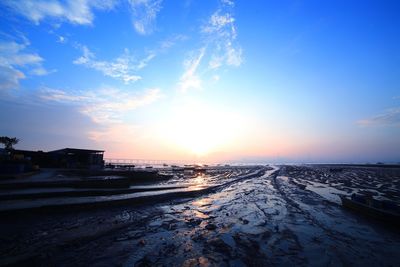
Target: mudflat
[255, 216]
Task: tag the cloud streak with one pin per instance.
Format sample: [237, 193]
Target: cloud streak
[126, 66]
[103, 106]
[144, 14]
[189, 79]
[81, 12]
[219, 47]
[73, 11]
[220, 34]
[15, 60]
[390, 117]
[122, 68]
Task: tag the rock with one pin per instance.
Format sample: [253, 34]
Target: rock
[187, 247]
[189, 263]
[198, 238]
[211, 226]
[202, 262]
[156, 223]
[172, 226]
[266, 235]
[144, 262]
[193, 222]
[217, 244]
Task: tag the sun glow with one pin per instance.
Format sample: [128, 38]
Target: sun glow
[201, 129]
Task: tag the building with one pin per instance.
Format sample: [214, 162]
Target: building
[73, 158]
[77, 158]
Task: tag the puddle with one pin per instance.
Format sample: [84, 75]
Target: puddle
[325, 191]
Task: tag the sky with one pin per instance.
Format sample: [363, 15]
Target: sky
[204, 81]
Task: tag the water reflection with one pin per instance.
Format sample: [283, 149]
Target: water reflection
[202, 202]
[199, 179]
[200, 214]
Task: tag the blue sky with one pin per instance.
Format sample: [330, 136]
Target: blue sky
[304, 81]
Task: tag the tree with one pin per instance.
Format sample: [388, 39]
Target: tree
[8, 142]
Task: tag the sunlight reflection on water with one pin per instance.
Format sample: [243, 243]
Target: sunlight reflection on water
[202, 202]
[199, 179]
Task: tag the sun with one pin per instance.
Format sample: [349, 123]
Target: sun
[200, 129]
[196, 138]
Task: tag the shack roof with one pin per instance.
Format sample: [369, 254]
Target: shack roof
[76, 151]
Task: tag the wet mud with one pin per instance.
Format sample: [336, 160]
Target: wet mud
[285, 216]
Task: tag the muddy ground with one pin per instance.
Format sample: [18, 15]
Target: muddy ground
[289, 216]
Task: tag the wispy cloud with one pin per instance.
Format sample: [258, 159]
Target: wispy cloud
[189, 79]
[63, 96]
[171, 41]
[118, 133]
[144, 14]
[15, 60]
[228, 2]
[122, 68]
[220, 33]
[9, 77]
[81, 12]
[105, 105]
[126, 66]
[61, 39]
[40, 71]
[73, 11]
[390, 117]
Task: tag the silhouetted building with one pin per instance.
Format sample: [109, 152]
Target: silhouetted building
[39, 158]
[12, 162]
[73, 158]
[77, 158]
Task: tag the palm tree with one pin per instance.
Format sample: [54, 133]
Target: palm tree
[8, 142]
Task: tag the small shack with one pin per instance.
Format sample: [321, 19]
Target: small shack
[77, 158]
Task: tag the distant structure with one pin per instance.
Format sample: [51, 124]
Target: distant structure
[77, 158]
[15, 162]
[22, 161]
